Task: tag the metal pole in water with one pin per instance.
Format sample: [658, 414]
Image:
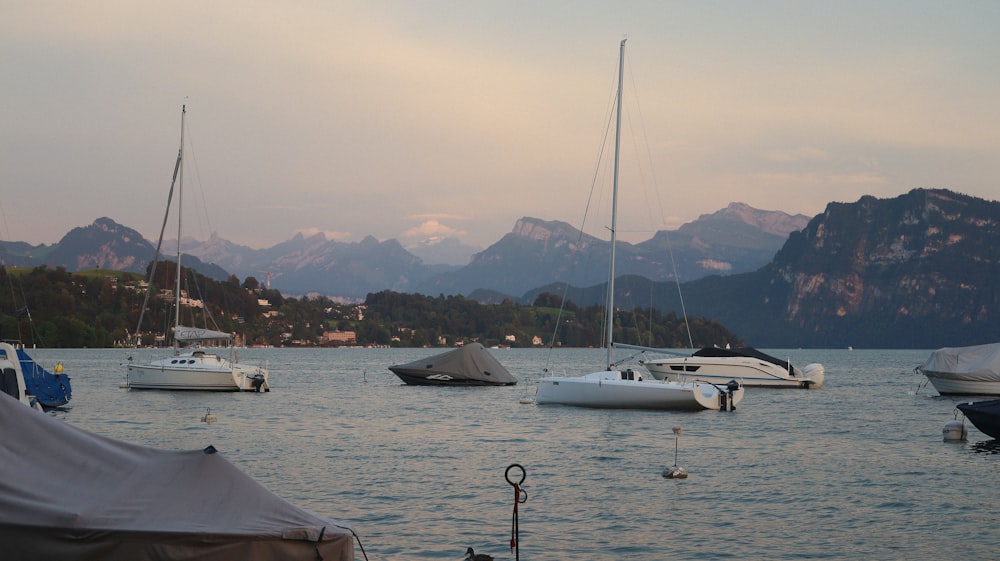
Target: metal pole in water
[520, 496]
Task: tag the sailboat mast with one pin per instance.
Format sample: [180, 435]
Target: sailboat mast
[614, 210]
[180, 214]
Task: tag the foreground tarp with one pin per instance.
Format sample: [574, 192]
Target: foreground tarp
[68, 494]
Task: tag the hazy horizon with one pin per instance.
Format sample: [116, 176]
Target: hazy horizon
[412, 120]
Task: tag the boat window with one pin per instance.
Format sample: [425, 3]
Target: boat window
[676, 367]
[173, 361]
[8, 383]
[692, 368]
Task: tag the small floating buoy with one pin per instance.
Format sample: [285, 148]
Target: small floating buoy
[209, 417]
[954, 431]
[59, 368]
[675, 471]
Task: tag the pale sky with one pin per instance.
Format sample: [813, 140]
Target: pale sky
[406, 119]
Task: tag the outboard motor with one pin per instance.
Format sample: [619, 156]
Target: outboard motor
[257, 380]
[725, 397]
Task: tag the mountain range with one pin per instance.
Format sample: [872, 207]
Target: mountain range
[921, 270]
[536, 252]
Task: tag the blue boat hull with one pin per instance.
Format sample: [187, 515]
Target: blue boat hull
[50, 389]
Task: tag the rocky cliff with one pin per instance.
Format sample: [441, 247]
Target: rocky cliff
[917, 271]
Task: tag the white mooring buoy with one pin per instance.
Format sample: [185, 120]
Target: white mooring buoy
[954, 431]
[209, 417]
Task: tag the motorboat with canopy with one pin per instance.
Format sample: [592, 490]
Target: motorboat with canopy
[750, 366]
[973, 370]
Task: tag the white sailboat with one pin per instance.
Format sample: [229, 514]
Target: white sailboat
[193, 367]
[627, 389]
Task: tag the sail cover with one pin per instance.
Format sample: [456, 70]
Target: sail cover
[469, 365]
[70, 494]
[192, 334]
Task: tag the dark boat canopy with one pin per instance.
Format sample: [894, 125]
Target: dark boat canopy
[469, 365]
[743, 351]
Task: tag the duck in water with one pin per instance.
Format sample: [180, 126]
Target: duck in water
[471, 555]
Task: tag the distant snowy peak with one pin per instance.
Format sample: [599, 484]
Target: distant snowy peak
[441, 250]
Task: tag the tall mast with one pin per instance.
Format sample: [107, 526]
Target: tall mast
[614, 208]
[180, 206]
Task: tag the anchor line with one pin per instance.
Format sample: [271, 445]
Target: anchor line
[513, 522]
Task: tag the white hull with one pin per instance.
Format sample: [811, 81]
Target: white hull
[947, 383]
[610, 390]
[197, 370]
[751, 372]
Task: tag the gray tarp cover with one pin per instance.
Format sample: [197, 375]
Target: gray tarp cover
[470, 362]
[977, 363]
[66, 493]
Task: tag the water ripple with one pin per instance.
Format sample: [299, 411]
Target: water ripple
[856, 470]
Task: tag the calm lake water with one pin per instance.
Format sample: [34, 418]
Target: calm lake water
[855, 470]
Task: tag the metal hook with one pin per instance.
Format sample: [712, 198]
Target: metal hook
[506, 474]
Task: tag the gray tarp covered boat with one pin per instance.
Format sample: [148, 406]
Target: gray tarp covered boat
[469, 365]
[70, 494]
[971, 370]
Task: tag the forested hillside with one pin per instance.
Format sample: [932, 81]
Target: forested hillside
[55, 308]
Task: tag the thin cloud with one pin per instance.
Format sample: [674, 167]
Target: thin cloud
[800, 154]
[432, 229]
